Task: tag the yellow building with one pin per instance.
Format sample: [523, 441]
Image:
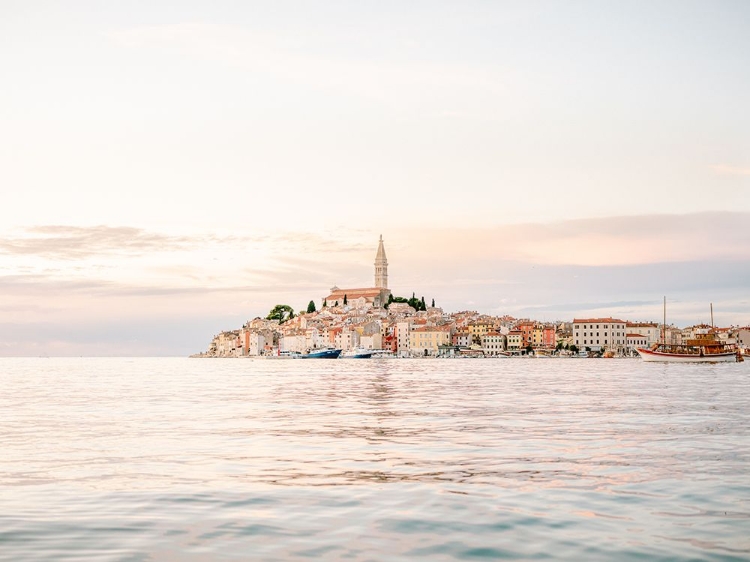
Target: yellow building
[427, 339]
[537, 335]
[479, 328]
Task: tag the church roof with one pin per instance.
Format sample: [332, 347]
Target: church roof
[356, 293]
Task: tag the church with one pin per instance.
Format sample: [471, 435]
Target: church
[376, 296]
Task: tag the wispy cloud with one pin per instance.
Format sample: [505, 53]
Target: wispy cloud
[624, 240]
[76, 242]
[726, 170]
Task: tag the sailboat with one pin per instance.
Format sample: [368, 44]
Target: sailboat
[705, 347]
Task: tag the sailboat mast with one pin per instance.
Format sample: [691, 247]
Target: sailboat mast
[712, 316]
[664, 324]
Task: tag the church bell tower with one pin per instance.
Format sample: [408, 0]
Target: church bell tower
[381, 267]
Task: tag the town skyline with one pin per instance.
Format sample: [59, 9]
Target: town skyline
[365, 319]
[171, 171]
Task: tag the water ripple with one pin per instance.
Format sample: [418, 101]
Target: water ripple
[165, 459]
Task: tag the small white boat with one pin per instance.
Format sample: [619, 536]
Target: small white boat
[358, 354]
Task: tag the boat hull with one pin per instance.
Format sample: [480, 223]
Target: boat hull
[323, 354]
[663, 357]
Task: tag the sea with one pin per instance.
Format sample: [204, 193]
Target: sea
[176, 459]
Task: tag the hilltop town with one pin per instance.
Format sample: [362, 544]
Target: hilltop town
[373, 318]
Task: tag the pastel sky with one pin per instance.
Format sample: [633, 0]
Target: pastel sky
[172, 169]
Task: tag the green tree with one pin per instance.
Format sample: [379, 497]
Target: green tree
[325, 303]
[424, 306]
[346, 301]
[281, 312]
[573, 348]
[336, 303]
[311, 307]
[433, 303]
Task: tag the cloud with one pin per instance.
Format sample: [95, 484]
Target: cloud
[618, 240]
[64, 242]
[76, 242]
[724, 170]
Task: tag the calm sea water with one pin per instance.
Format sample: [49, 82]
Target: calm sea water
[180, 459]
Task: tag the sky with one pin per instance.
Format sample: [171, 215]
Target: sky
[172, 169]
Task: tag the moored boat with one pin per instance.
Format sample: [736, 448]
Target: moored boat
[705, 347]
[358, 354]
[689, 353]
[321, 354]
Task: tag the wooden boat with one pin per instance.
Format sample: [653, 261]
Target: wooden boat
[706, 347]
[702, 350]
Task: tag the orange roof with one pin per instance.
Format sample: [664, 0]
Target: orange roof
[597, 321]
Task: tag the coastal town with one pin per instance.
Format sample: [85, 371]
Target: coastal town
[373, 319]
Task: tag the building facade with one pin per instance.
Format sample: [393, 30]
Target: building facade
[598, 333]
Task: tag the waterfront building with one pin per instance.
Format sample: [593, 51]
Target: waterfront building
[598, 333]
[742, 336]
[527, 333]
[427, 340]
[461, 339]
[650, 330]
[634, 341]
[515, 340]
[549, 336]
[403, 337]
[493, 344]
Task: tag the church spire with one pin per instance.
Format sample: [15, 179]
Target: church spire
[381, 267]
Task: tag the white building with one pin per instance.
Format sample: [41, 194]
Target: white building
[742, 335]
[634, 341]
[403, 338]
[255, 343]
[294, 342]
[493, 344]
[598, 333]
[650, 330]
